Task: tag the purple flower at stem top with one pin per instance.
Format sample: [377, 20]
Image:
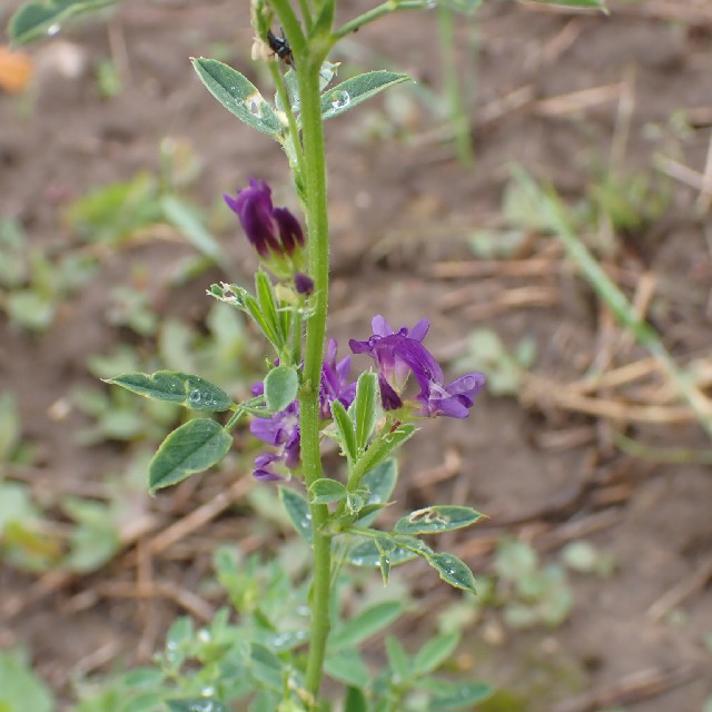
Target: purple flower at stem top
[270, 230]
[281, 430]
[400, 353]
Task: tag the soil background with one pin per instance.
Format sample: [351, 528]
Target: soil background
[400, 204]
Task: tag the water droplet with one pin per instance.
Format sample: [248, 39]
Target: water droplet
[204, 635]
[195, 397]
[341, 100]
[207, 691]
[52, 30]
[254, 104]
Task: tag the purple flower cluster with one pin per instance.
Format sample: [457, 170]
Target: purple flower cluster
[281, 430]
[399, 353]
[269, 229]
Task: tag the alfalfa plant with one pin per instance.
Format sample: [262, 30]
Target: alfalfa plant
[307, 396]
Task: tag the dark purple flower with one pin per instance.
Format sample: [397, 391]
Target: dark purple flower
[400, 353]
[335, 381]
[303, 283]
[269, 229]
[290, 231]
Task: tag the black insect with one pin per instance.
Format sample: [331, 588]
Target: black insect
[280, 47]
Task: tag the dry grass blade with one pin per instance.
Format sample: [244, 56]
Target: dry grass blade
[198, 517]
[534, 267]
[615, 300]
[681, 591]
[638, 686]
[578, 100]
[546, 392]
[664, 455]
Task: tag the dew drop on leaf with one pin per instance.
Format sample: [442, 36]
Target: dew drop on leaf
[341, 100]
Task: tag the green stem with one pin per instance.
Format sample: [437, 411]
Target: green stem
[370, 15]
[283, 95]
[306, 13]
[453, 90]
[308, 64]
[318, 262]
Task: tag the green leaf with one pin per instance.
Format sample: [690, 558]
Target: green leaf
[112, 213]
[35, 19]
[437, 519]
[9, 426]
[268, 308]
[353, 91]
[327, 491]
[189, 391]
[398, 659]
[365, 408]
[96, 538]
[365, 624]
[452, 570]
[197, 705]
[265, 666]
[193, 447]
[355, 700]
[180, 632]
[20, 689]
[298, 511]
[30, 309]
[16, 505]
[461, 696]
[13, 247]
[435, 652]
[380, 483]
[281, 386]
[345, 427]
[368, 555]
[348, 667]
[238, 95]
[188, 221]
[385, 444]
[515, 560]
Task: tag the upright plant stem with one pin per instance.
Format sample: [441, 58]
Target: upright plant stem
[308, 65]
[318, 260]
[453, 90]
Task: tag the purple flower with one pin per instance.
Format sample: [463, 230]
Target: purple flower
[454, 399]
[399, 353]
[269, 229]
[335, 381]
[262, 469]
[281, 430]
[303, 283]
